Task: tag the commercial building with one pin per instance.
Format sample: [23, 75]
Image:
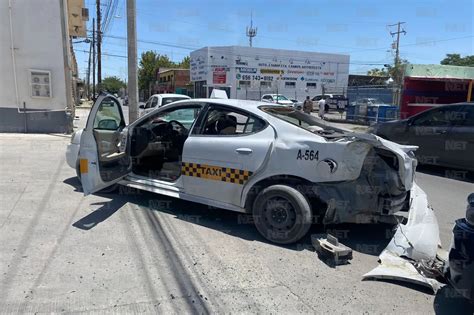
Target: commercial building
[248, 72]
[37, 64]
[427, 86]
[173, 81]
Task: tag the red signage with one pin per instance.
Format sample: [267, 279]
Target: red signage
[219, 76]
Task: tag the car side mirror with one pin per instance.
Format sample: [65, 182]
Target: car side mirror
[108, 124]
[141, 106]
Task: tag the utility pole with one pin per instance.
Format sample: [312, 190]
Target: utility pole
[397, 45]
[132, 61]
[250, 31]
[397, 62]
[99, 48]
[93, 60]
[89, 72]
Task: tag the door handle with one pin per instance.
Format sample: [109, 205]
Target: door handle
[244, 151]
[441, 132]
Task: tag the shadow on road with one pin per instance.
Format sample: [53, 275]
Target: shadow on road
[367, 239]
[74, 182]
[107, 209]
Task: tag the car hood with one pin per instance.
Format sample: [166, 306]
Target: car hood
[287, 102]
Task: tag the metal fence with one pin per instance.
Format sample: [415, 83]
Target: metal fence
[383, 93]
[248, 93]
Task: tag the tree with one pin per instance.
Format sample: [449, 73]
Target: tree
[457, 60]
[185, 63]
[376, 72]
[112, 84]
[395, 72]
[149, 64]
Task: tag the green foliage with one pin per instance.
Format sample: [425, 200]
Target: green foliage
[395, 71]
[112, 84]
[184, 64]
[149, 64]
[457, 60]
[376, 72]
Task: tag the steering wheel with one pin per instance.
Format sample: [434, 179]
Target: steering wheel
[181, 129]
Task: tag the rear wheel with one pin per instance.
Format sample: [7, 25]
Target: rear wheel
[282, 214]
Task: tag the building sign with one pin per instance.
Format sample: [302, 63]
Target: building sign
[294, 71]
[219, 75]
[247, 70]
[241, 63]
[271, 71]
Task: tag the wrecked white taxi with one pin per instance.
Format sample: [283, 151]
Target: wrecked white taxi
[287, 168]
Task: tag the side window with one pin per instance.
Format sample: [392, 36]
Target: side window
[108, 115]
[221, 121]
[148, 103]
[438, 117]
[154, 102]
[464, 117]
[185, 116]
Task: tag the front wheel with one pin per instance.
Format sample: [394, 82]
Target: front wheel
[282, 214]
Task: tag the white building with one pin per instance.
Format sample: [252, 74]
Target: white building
[36, 66]
[248, 72]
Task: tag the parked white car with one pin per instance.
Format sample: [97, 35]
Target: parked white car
[285, 167]
[277, 99]
[158, 100]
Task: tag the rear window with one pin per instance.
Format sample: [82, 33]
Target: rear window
[167, 100]
[297, 118]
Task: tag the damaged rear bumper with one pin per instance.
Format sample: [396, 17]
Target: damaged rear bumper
[414, 247]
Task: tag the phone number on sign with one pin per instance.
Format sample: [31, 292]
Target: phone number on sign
[257, 77]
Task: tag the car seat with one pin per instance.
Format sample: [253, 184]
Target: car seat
[226, 125]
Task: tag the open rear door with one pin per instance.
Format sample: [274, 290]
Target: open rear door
[101, 162]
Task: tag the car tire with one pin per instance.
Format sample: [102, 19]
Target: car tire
[282, 214]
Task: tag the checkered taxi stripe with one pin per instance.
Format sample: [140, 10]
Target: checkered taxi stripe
[224, 174]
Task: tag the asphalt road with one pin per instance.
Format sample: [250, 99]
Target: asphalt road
[133, 251]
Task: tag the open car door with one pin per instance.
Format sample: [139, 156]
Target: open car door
[101, 162]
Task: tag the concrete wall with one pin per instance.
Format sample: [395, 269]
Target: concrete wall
[38, 44]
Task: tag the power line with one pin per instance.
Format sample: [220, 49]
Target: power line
[317, 61]
[415, 44]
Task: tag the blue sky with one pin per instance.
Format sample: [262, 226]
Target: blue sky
[358, 28]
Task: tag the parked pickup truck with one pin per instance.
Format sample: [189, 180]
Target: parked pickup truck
[333, 101]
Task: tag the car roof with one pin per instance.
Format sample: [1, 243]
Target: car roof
[449, 105]
[171, 95]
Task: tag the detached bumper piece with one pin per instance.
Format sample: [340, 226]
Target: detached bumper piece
[330, 249]
[412, 254]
